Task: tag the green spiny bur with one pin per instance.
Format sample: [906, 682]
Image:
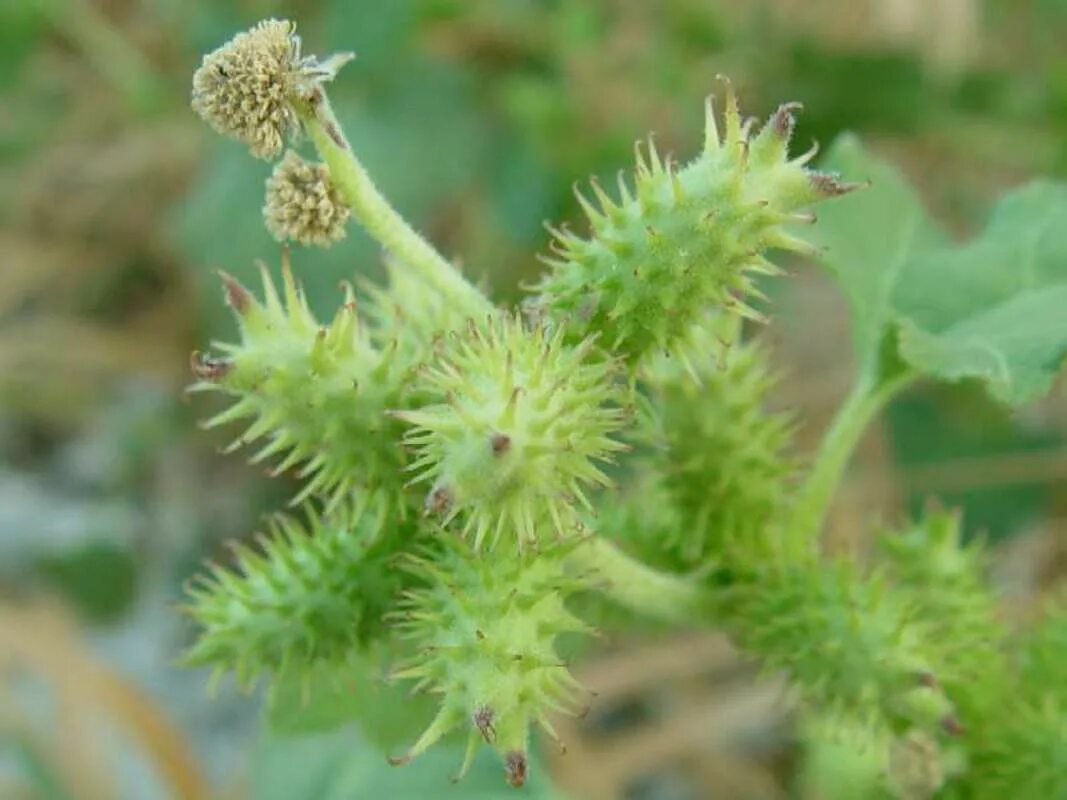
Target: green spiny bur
[317, 394]
[682, 240]
[847, 641]
[947, 583]
[1020, 748]
[484, 627]
[311, 593]
[718, 454]
[1045, 653]
[519, 422]
[1027, 756]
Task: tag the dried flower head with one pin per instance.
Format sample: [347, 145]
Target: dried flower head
[303, 204]
[244, 89]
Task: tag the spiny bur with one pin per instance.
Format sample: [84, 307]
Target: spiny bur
[519, 422]
[316, 394]
[308, 593]
[682, 240]
[484, 628]
[409, 318]
[946, 580]
[718, 453]
[847, 641]
[1021, 750]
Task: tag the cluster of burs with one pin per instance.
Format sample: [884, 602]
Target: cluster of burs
[474, 477]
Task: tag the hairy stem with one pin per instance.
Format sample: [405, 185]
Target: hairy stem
[637, 586]
[374, 212]
[868, 396]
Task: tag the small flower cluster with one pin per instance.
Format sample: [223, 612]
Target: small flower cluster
[249, 89]
[303, 205]
[244, 88]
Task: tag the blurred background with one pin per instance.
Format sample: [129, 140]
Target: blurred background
[117, 206]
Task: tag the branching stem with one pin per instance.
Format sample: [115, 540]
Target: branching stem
[375, 213]
[868, 396]
[638, 587]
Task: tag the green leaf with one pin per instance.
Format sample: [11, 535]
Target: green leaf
[995, 308]
[992, 308]
[341, 766]
[869, 237]
[329, 696]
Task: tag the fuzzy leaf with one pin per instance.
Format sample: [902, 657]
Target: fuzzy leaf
[327, 696]
[340, 765]
[990, 308]
[994, 308]
[870, 237]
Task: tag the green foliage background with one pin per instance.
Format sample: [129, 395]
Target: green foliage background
[116, 208]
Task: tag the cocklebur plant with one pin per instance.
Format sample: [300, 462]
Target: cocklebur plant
[468, 470]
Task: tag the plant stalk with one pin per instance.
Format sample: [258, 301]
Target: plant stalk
[868, 397]
[375, 213]
[638, 587]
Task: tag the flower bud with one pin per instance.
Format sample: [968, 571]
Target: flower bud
[303, 205]
[242, 89]
[245, 89]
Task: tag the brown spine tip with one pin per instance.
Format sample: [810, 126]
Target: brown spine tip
[927, 679]
[439, 501]
[398, 761]
[952, 726]
[237, 297]
[483, 720]
[501, 443]
[515, 764]
[829, 185]
[208, 368]
[784, 120]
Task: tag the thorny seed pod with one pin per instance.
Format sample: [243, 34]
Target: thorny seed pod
[717, 452]
[287, 364]
[682, 240]
[302, 203]
[309, 593]
[519, 421]
[484, 627]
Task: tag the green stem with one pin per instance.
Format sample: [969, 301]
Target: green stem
[380, 219]
[868, 396]
[637, 586]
